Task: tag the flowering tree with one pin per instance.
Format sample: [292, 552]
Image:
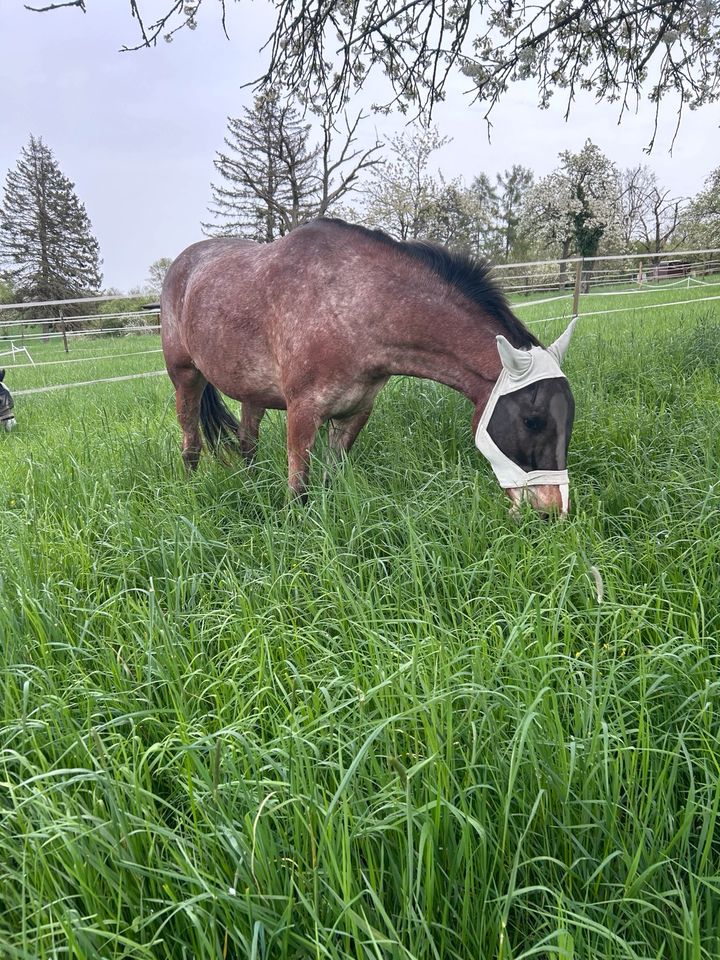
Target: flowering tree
[576, 207]
[703, 215]
[618, 49]
[403, 194]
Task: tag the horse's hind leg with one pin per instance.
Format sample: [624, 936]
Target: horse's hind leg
[249, 429]
[303, 421]
[189, 385]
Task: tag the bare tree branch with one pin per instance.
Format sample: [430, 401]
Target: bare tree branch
[57, 6]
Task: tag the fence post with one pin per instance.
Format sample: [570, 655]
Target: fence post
[576, 291]
[64, 331]
[640, 273]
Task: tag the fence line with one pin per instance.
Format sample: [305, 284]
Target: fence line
[78, 318]
[104, 298]
[574, 292]
[158, 373]
[107, 356]
[615, 293]
[66, 334]
[618, 256]
[643, 306]
[87, 383]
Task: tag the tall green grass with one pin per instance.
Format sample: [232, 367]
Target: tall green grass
[393, 724]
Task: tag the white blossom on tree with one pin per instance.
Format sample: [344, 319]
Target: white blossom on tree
[620, 50]
[403, 192]
[703, 215]
[576, 208]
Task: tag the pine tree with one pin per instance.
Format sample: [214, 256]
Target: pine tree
[46, 245]
[274, 178]
[512, 186]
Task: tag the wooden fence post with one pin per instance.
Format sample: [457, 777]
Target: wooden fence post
[64, 332]
[576, 291]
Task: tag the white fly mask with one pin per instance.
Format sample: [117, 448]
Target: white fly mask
[521, 368]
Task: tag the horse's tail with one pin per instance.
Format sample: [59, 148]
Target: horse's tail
[219, 426]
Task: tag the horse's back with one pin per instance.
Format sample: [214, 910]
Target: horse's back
[190, 270]
[197, 258]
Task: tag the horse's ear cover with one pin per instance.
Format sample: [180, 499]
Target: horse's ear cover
[516, 362]
[559, 348]
[520, 368]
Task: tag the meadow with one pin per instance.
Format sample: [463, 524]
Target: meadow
[395, 723]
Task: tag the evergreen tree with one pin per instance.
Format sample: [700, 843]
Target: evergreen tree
[274, 178]
[46, 245]
[512, 186]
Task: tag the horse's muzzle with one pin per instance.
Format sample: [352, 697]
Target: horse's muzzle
[551, 500]
[7, 418]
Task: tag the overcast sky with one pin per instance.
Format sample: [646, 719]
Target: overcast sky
[137, 132]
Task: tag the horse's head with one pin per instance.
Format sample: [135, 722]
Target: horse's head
[524, 429]
[7, 419]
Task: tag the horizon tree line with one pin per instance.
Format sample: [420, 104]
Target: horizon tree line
[278, 172]
[587, 205]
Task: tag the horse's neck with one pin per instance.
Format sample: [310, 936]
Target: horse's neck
[453, 348]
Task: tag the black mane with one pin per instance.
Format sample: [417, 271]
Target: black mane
[470, 276]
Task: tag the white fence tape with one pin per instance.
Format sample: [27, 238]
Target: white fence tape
[87, 383]
[106, 356]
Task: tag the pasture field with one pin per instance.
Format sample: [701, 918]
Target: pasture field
[392, 724]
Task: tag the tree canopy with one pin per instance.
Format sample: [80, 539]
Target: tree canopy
[704, 212]
[47, 248]
[274, 177]
[577, 206]
[620, 50]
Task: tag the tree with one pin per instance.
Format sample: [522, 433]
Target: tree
[403, 194]
[576, 207]
[451, 217]
[273, 177]
[482, 200]
[156, 273]
[703, 215]
[6, 292]
[619, 50]
[650, 214]
[512, 186]
[46, 243]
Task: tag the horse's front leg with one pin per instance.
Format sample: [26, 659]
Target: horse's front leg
[303, 421]
[343, 433]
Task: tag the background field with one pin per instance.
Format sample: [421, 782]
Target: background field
[392, 724]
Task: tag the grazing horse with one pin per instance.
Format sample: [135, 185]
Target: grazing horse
[316, 323]
[7, 417]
